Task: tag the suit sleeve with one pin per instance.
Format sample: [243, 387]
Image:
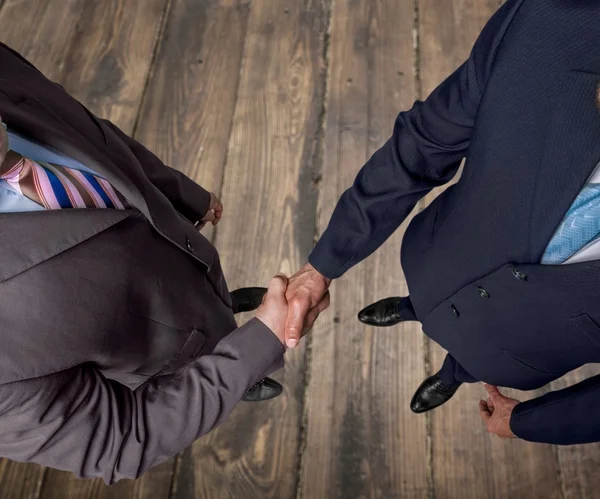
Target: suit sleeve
[188, 198]
[425, 151]
[563, 417]
[79, 421]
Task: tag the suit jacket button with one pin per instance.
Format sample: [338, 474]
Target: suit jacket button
[188, 243]
[483, 293]
[519, 275]
[455, 311]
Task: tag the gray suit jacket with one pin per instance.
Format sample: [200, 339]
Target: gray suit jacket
[119, 346]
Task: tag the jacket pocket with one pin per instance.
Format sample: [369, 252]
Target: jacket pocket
[528, 363]
[189, 352]
[587, 326]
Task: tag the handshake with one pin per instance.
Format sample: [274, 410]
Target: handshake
[291, 305]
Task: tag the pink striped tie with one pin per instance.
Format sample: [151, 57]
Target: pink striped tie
[56, 187]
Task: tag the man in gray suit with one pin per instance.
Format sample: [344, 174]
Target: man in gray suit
[119, 344]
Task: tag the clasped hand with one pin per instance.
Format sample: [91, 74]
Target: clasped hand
[291, 306]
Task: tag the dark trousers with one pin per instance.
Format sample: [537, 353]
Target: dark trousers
[451, 373]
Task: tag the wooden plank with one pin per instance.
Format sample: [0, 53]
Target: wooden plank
[270, 205]
[361, 439]
[190, 101]
[467, 463]
[105, 66]
[20, 481]
[40, 30]
[110, 54]
[578, 463]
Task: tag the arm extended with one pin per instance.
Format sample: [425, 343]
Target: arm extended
[425, 151]
[79, 421]
[563, 417]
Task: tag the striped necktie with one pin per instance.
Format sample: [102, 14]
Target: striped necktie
[56, 187]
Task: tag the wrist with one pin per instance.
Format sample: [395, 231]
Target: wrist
[271, 327]
[317, 275]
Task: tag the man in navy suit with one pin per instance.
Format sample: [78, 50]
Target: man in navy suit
[503, 268]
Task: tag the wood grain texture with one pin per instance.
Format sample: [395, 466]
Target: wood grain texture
[189, 104]
[361, 439]
[269, 223]
[20, 480]
[155, 484]
[578, 464]
[467, 462]
[41, 31]
[110, 55]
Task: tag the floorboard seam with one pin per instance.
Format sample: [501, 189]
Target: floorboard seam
[38, 491]
[151, 67]
[236, 97]
[327, 6]
[559, 473]
[175, 475]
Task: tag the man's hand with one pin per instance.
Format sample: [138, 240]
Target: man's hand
[307, 297]
[496, 412]
[214, 214]
[274, 308]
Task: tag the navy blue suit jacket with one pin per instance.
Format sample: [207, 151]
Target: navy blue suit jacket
[523, 111]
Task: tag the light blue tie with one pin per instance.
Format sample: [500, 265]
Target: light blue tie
[580, 226]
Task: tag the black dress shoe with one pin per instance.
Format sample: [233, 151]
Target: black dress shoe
[265, 389]
[431, 394]
[246, 299]
[387, 312]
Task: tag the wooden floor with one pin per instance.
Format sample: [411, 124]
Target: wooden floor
[275, 105]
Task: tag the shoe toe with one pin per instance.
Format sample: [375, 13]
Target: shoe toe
[367, 315]
[266, 389]
[246, 299]
[270, 389]
[418, 405]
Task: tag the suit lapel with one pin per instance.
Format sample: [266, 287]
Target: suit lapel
[571, 153]
[30, 238]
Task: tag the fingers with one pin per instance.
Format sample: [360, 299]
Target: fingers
[323, 303]
[310, 319]
[494, 393]
[209, 217]
[314, 312]
[484, 411]
[218, 212]
[307, 290]
[299, 307]
[277, 286]
[218, 209]
[215, 210]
